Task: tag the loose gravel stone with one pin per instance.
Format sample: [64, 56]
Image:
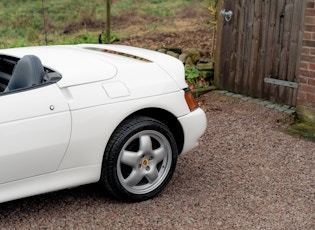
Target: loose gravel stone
[248, 173]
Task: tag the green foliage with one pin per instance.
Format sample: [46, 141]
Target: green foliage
[303, 129]
[161, 8]
[197, 76]
[191, 74]
[213, 3]
[103, 38]
[213, 8]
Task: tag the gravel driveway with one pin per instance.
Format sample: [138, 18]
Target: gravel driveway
[246, 174]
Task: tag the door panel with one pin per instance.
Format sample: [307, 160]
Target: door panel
[34, 132]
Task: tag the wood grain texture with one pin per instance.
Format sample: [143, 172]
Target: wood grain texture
[263, 39]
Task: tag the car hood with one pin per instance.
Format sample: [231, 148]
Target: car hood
[85, 63]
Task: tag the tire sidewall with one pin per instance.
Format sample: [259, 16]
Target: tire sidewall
[121, 136]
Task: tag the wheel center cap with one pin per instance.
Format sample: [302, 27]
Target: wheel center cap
[145, 162]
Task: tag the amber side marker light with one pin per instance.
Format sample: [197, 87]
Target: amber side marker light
[190, 100]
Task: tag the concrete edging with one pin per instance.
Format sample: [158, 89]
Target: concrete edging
[268, 104]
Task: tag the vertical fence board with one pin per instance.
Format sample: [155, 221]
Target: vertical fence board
[233, 54]
[226, 51]
[270, 50]
[249, 11]
[263, 48]
[240, 14]
[294, 50]
[285, 48]
[219, 49]
[253, 75]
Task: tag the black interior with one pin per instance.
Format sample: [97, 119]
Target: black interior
[6, 68]
[9, 67]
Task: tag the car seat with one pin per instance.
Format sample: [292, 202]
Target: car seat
[28, 72]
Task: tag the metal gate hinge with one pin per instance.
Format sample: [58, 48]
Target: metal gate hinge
[281, 82]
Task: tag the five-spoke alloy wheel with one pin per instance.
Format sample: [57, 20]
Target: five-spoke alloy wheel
[139, 160]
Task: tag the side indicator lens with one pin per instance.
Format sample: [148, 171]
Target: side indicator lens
[190, 100]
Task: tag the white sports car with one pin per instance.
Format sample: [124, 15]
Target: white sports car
[78, 114]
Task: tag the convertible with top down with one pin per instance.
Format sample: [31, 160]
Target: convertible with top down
[79, 114]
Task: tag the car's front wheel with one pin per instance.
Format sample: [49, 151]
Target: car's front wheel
[139, 160]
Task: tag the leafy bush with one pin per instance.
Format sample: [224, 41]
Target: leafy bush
[191, 74]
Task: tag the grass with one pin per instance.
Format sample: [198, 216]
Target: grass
[22, 24]
[75, 21]
[160, 8]
[302, 129]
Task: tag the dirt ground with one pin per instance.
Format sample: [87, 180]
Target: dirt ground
[189, 29]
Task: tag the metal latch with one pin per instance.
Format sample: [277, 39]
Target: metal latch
[226, 14]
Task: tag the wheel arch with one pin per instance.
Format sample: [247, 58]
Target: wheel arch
[168, 119]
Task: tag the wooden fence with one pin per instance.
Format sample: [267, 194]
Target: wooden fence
[258, 48]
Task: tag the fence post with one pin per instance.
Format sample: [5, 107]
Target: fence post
[219, 44]
[108, 21]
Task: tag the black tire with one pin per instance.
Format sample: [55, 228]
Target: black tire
[139, 159]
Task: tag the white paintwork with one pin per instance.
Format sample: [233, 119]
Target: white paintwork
[116, 89]
[45, 149]
[33, 137]
[95, 132]
[193, 130]
[49, 182]
[172, 66]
